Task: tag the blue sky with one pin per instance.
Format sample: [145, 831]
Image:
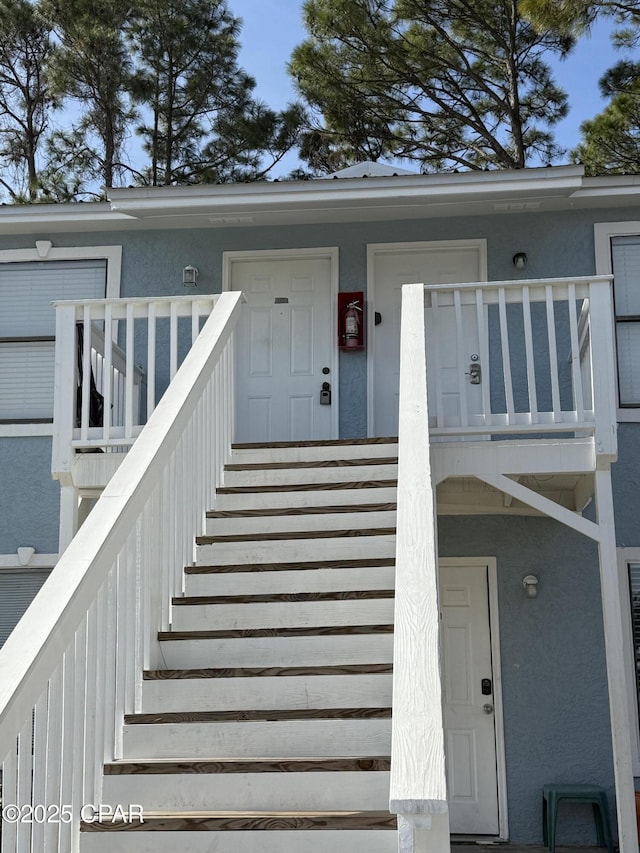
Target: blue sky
[272, 28]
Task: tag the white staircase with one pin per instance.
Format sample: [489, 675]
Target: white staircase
[270, 727]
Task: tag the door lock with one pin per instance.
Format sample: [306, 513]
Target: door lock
[325, 394]
[474, 373]
[488, 708]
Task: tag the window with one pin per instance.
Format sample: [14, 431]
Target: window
[633, 570]
[27, 329]
[625, 260]
[629, 580]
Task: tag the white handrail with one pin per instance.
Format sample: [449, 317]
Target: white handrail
[73, 665]
[418, 790]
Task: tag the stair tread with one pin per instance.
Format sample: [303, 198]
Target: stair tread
[275, 715]
[239, 633]
[296, 565]
[307, 487]
[230, 821]
[268, 672]
[295, 534]
[251, 765]
[303, 510]
[265, 598]
[319, 463]
[333, 442]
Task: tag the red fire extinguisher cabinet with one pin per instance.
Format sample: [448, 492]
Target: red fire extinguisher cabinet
[351, 303]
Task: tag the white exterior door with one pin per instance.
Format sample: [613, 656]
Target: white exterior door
[440, 264]
[285, 350]
[469, 700]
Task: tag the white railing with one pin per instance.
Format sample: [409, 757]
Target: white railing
[157, 332]
[542, 352]
[418, 789]
[73, 665]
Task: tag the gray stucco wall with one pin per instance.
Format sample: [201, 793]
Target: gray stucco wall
[556, 707]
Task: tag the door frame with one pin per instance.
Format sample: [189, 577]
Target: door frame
[330, 253]
[490, 563]
[375, 249]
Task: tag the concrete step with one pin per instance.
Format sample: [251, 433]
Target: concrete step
[310, 451]
[332, 579]
[197, 614]
[297, 519]
[259, 785]
[190, 650]
[202, 693]
[352, 544]
[349, 473]
[327, 494]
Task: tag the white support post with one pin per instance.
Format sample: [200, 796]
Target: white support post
[68, 516]
[64, 395]
[604, 369]
[418, 790]
[616, 672]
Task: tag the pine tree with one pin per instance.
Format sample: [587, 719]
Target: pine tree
[446, 83]
[25, 97]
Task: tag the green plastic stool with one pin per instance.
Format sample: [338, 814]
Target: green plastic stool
[552, 795]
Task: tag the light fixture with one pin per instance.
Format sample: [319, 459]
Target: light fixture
[530, 584]
[189, 276]
[520, 260]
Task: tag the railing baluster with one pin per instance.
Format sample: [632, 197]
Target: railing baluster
[506, 357]
[576, 375]
[92, 735]
[435, 355]
[195, 320]
[165, 534]
[10, 797]
[108, 385]
[111, 634]
[77, 798]
[128, 396]
[95, 757]
[481, 319]
[86, 372]
[553, 353]
[529, 353]
[39, 766]
[151, 360]
[69, 720]
[25, 776]
[54, 753]
[461, 359]
[173, 340]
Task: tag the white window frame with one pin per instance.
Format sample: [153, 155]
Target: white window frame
[44, 251]
[603, 232]
[626, 556]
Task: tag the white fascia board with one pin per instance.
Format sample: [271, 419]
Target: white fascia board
[399, 189]
[71, 214]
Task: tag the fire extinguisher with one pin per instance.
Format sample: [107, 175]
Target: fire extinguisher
[351, 324]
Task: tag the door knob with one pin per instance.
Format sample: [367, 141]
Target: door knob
[488, 708]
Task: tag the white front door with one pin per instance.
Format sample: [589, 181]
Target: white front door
[440, 263]
[284, 349]
[470, 698]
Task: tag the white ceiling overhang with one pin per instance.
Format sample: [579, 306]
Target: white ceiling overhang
[338, 200]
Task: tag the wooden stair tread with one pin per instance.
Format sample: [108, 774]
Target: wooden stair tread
[303, 510]
[265, 598]
[308, 487]
[319, 463]
[243, 821]
[247, 716]
[361, 563]
[269, 671]
[240, 633]
[296, 534]
[333, 442]
[251, 765]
